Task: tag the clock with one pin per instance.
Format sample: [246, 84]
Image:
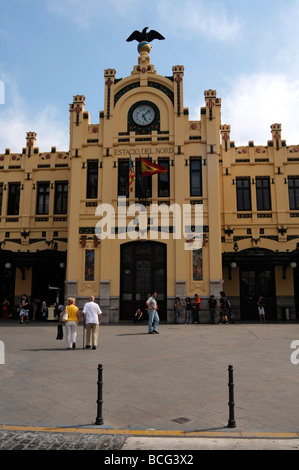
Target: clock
[143, 115]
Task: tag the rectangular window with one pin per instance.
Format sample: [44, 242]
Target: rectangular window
[263, 195]
[123, 178]
[195, 177]
[163, 179]
[243, 194]
[294, 192]
[143, 184]
[43, 198]
[61, 197]
[13, 205]
[92, 179]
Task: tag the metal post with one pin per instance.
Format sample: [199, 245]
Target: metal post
[231, 403]
[99, 418]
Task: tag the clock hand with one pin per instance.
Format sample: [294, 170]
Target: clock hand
[144, 117]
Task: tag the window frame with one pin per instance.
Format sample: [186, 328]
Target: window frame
[13, 198]
[263, 194]
[164, 178]
[123, 177]
[63, 195]
[242, 204]
[92, 187]
[44, 197]
[148, 187]
[195, 190]
[293, 193]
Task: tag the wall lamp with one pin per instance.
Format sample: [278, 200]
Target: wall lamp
[292, 265]
[232, 265]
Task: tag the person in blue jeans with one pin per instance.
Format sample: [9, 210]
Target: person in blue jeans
[153, 316]
[177, 309]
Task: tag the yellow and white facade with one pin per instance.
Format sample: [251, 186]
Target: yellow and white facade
[249, 196]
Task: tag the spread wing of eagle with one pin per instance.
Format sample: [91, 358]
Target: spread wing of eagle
[144, 36]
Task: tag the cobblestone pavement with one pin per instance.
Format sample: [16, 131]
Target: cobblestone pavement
[23, 440]
[113, 445]
[186, 387]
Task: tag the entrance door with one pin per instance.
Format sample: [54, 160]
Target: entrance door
[44, 276]
[254, 283]
[7, 286]
[143, 270]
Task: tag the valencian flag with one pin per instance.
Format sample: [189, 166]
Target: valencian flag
[131, 175]
[148, 168]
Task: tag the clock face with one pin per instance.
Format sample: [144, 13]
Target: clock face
[143, 115]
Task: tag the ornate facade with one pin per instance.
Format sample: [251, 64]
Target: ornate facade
[249, 197]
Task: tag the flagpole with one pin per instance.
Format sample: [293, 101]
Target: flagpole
[147, 170]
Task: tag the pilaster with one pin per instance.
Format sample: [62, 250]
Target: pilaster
[213, 180]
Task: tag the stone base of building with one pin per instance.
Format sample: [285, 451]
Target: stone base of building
[110, 305]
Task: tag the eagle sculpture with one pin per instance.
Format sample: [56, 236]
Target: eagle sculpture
[145, 36]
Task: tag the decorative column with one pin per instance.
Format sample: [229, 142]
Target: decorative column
[213, 107]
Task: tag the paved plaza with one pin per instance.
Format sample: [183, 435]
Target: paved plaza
[172, 386]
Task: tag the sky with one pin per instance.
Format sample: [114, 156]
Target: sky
[51, 50]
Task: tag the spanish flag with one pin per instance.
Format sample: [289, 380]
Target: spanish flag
[148, 168]
[131, 175]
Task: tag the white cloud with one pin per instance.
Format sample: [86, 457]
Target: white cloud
[16, 119]
[75, 10]
[84, 14]
[255, 102]
[195, 19]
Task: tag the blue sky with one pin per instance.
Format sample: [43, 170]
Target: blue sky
[51, 50]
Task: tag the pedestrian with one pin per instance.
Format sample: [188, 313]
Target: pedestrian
[261, 309]
[153, 317]
[44, 311]
[138, 315]
[92, 315]
[24, 309]
[177, 309]
[34, 308]
[60, 310]
[196, 308]
[71, 323]
[223, 309]
[5, 306]
[212, 307]
[189, 309]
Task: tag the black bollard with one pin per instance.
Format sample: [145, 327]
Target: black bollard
[99, 418]
[231, 403]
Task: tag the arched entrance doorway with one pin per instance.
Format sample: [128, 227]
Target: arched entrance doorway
[143, 270]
